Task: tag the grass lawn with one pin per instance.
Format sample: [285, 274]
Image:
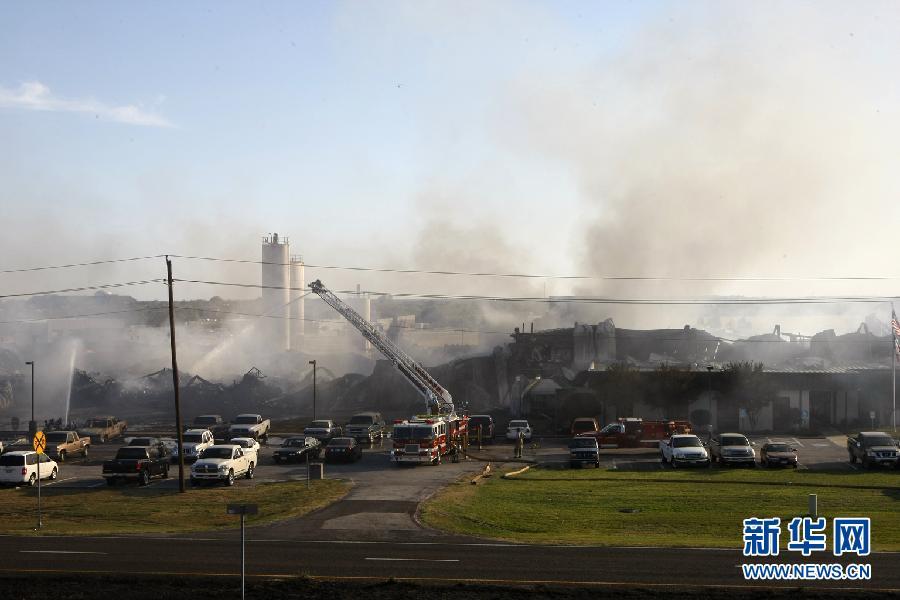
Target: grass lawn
[676, 508]
[133, 509]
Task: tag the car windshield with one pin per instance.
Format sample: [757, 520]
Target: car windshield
[294, 442]
[12, 460]
[734, 440]
[56, 436]
[97, 423]
[193, 437]
[242, 442]
[141, 442]
[205, 421]
[778, 448]
[340, 443]
[518, 423]
[583, 443]
[413, 432]
[131, 453]
[583, 426]
[217, 453]
[686, 442]
[878, 441]
[320, 424]
[476, 421]
[245, 420]
[361, 420]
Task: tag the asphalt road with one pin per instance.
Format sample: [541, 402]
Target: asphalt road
[373, 534]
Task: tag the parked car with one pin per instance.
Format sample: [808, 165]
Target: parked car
[773, 454]
[297, 448]
[170, 444]
[250, 425]
[512, 430]
[732, 449]
[872, 448]
[142, 441]
[20, 466]
[584, 450]
[139, 463]
[222, 463]
[249, 445]
[323, 430]
[215, 423]
[584, 425]
[195, 441]
[365, 426]
[344, 449]
[104, 428]
[684, 450]
[62, 445]
[486, 422]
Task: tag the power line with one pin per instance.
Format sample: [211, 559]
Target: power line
[82, 264]
[538, 276]
[83, 316]
[583, 299]
[86, 288]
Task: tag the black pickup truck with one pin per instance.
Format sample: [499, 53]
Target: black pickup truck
[139, 463]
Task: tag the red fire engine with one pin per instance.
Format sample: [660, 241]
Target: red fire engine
[423, 438]
[634, 432]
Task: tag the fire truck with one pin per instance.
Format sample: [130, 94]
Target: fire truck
[634, 432]
[423, 438]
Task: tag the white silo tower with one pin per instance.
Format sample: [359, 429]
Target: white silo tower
[298, 309]
[276, 295]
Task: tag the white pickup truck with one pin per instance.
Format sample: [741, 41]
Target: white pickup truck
[249, 425]
[195, 442]
[683, 450]
[223, 463]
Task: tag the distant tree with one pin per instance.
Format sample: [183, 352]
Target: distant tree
[748, 386]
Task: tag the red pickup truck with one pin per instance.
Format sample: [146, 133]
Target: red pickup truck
[634, 432]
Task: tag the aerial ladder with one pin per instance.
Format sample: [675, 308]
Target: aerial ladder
[438, 400]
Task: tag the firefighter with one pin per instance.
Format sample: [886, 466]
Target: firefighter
[520, 443]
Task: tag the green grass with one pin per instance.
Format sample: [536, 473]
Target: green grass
[132, 509]
[676, 508]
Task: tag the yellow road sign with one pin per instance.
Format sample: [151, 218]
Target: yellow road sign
[39, 442]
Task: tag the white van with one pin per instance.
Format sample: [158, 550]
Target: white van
[21, 467]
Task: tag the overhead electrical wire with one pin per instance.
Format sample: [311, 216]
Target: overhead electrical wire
[85, 288]
[81, 264]
[582, 299]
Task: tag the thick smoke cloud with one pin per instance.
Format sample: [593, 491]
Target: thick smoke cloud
[727, 141]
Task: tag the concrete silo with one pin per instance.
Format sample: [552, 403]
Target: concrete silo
[298, 309]
[276, 295]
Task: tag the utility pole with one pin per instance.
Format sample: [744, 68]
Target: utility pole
[313, 363]
[32, 426]
[180, 448]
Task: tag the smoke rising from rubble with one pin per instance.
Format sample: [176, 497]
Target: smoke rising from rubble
[744, 139]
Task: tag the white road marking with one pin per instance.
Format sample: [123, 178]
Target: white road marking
[821, 445]
[798, 442]
[614, 467]
[415, 559]
[58, 552]
[854, 467]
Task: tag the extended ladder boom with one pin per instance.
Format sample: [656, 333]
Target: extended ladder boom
[439, 399]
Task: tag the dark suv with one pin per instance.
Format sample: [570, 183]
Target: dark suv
[486, 422]
[365, 426]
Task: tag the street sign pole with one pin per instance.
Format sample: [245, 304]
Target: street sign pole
[40, 444]
[242, 510]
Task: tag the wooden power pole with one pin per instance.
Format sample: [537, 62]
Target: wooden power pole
[180, 448]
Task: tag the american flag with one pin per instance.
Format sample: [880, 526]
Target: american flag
[895, 331]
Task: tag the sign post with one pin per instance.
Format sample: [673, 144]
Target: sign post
[40, 444]
[242, 509]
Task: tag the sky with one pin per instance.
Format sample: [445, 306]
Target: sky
[597, 138]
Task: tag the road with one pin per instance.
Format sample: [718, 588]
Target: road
[373, 533]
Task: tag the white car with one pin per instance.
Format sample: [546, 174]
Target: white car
[195, 441]
[21, 467]
[249, 445]
[682, 450]
[223, 462]
[512, 430]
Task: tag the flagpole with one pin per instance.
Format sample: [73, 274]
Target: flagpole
[893, 369]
